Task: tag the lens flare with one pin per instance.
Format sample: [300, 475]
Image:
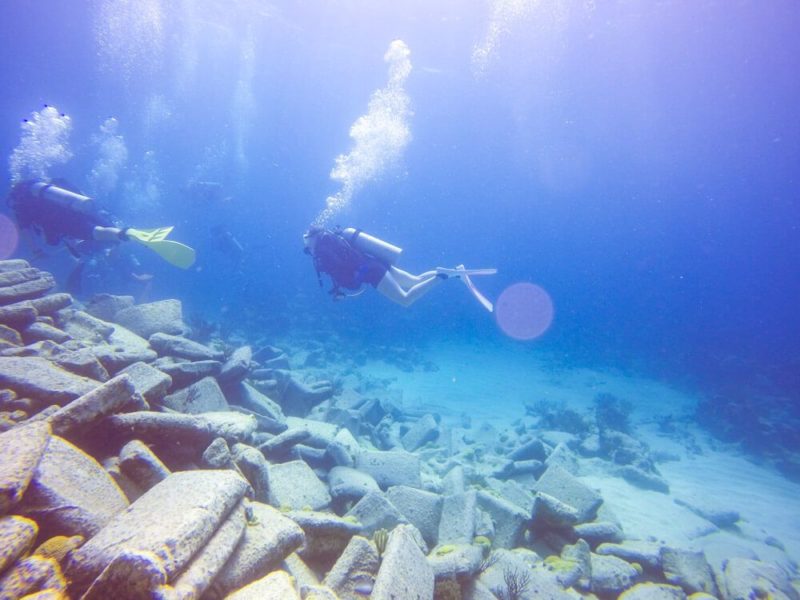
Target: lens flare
[9, 237]
[524, 311]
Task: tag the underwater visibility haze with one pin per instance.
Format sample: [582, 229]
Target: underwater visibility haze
[631, 169]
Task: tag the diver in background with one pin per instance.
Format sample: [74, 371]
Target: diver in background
[352, 258]
[61, 215]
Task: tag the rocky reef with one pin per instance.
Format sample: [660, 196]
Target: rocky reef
[140, 463]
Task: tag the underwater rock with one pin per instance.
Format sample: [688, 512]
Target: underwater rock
[17, 315]
[106, 306]
[707, 509]
[181, 347]
[643, 479]
[173, 520]
[237, 366]
[22, 449]
[301, 573]
[185, 373]
[280, 445]
[32, 574]
[18, 535]
[355, 569]
[268, 539]
[71, 493]
[9, 335]
[551, 512]
[420, 508]
[124, 348]
[247, 396]
[564, 458]
[275, 586]
[201, 397]
[348, 484]
[390, 468]
[458, 520]
[647, 554]
[653, 591]
[295, 485]
[164, 316]
[255, 468]
[326, 534]
[197, 576]
[151, 383]
[39, 378]
[598, 532]
[531, 450]
[746, 579]
[424, 430]
[510, 521]
[178, 428]
[39, 331]
[29, 283]
[566, 488]
[575, 566]
[375, 512]
[78, 360]
[140, 574]
[141, 465]
[612, 575]
[297, 398]
[103, 400]
[690, 570]
[454, 481]
[455, 561]
[404, 571]
[340, 452]
[83, 326]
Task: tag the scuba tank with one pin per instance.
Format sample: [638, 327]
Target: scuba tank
[59, 195]
[384, 251]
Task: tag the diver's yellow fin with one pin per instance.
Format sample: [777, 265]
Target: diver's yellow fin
[149, 235]
[175, 253]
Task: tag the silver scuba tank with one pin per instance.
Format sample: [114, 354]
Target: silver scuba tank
[384, 251]
[59, 195]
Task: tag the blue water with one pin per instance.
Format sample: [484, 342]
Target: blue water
[639, 161]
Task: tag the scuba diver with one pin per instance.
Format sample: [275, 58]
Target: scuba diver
[61, 215]
[352, 258]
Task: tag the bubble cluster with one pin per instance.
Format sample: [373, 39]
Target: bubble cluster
[112, 154]
[44, 142]
[504, 13]
[130, 37]
[380, 136]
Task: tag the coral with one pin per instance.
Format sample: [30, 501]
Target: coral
[516, 584]
[447, 589]
[557, 564]
[611, 412]
[555, 415]
[59, 546]
[380, 537]
[483, 541]
[444, 550]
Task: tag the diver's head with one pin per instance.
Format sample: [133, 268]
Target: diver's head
[310, 238]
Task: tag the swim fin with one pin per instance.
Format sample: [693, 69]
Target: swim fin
[460, 271]
[464, 275]
[175, 253]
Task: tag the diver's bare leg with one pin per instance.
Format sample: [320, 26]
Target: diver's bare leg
[389, 287]
[406, 280]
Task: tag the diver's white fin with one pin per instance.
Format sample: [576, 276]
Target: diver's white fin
[461, 271]
[464, 274]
